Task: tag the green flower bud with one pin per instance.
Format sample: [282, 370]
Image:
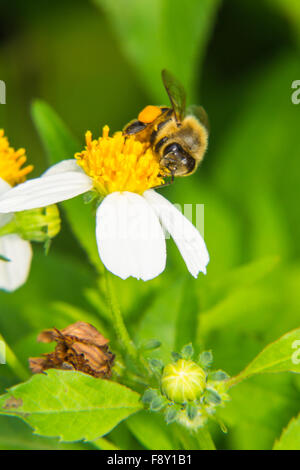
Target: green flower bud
[183, 381]
[38, 225]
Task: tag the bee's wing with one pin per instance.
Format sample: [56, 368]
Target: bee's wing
[200, 113]
[176, 94]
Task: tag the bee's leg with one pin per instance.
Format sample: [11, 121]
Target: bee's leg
[165, 184]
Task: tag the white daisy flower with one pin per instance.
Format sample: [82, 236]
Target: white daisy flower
[15, 253]
[132, 217]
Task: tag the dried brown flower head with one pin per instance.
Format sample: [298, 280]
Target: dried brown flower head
[79, 347]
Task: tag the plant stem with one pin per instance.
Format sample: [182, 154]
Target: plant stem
[118, 322]
[13, 362]
[196, 440]
[204, 439]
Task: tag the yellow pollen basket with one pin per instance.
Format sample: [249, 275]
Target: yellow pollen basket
[119, 163]
[149, 114]
[11, 161]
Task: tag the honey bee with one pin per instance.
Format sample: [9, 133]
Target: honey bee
[177, 136]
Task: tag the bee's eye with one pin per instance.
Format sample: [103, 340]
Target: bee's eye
[174, 148]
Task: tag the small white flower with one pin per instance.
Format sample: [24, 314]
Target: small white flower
[130, 222]
[17, 229]
[14, 272]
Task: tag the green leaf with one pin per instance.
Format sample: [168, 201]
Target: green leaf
[281, 356]
[57, 139]
[291, 10]
[258, 410]
[158, 34]
[151, 430]
[16, 435]
[244, 275]
[70, 405]
[270, 209]
[290, 437]
[105, 444]
[61, 145]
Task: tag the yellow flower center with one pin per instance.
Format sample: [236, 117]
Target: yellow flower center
[11, 162]
[119, 163]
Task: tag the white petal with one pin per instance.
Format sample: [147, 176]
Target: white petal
[129, 237]
[14, 273]
[41, 192]
[187, 238]
[63, 167]
[4, 186]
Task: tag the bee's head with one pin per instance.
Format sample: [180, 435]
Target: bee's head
[176, 160]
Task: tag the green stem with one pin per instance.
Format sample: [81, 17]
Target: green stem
[13, 362]
[117, 318]
[204, 439]
[195, 440]
[185, 438]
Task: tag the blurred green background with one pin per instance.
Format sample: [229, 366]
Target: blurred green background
[99, 63]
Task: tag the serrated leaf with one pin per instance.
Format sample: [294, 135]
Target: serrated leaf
[105, 444]
[70, 405]
[281, 356]
[61, 145]
[16, 435]
[290, 437]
